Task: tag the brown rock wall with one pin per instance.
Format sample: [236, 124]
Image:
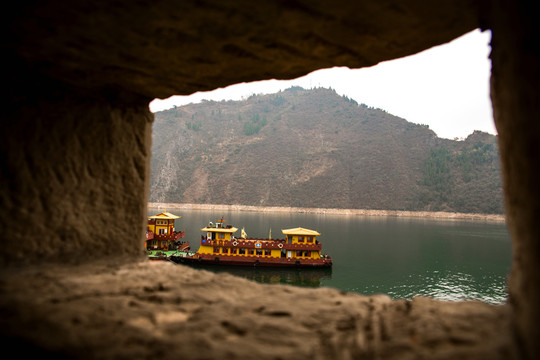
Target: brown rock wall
[148, 310]
[166, 47]
[76, 169]
[75, 161]
[515, 97]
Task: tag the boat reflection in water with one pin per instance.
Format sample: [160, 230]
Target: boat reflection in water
[305, 277]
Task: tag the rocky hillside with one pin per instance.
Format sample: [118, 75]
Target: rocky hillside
[314, 148]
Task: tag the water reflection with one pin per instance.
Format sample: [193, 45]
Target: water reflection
[453, 286]
[400, 257]
[298, 277]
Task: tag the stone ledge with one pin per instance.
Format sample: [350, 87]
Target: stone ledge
[153, 309]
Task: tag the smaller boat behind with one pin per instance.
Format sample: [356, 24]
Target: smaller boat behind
[162, 239]
[219, 246]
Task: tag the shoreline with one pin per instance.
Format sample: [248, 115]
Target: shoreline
[357, 212]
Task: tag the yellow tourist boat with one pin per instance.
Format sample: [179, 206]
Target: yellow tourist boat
[162, 239]
[218, 245]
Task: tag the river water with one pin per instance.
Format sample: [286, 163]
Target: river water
[400, 257]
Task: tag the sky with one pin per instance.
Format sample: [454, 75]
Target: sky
[445, 87]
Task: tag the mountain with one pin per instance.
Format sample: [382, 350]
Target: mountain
[314, 148]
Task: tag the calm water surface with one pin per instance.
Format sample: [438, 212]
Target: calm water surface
[400, 257]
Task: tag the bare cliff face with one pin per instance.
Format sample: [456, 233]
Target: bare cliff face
[314, 148]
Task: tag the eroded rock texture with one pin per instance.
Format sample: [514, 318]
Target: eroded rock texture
[76, 170]
[166, 47]
[151, 310]
[75, 157]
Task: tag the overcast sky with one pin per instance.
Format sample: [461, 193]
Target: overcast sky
[445, 87]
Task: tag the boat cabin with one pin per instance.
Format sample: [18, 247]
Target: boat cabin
[218, 241]
[302, 244]
[161, 233]
[219, 231]
[301, 236]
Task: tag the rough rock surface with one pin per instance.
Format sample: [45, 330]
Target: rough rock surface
[166, 47]
[155, 309]
[75, 162]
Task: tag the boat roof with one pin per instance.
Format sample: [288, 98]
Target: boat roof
[299, 231]
[165, 215]
[218, 229]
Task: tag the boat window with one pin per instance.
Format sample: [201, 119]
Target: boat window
[233, 251]
[300, 239]
[251, 252]
[267, 252]
[241, 251]
[221, 236]
[216, 250]
[259, 252]
[225, 250]
[298, 253]
[309, 239]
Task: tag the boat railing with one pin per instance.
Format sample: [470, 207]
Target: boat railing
[170, 236]
[263, 244]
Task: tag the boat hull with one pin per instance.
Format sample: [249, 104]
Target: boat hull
[250, 262]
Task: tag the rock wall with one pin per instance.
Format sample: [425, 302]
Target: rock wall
[161, 310]
[162, 48]
[516, 102]
[76, 169]
[79, 77]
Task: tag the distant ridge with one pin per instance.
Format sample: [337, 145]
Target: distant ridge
[315, 149]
